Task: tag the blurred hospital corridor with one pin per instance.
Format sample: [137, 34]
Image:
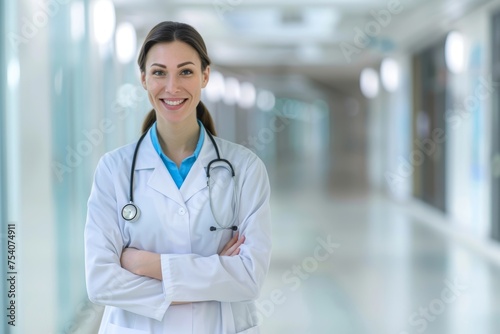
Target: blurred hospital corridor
[382, 267]
[377, 121]
[364, 264]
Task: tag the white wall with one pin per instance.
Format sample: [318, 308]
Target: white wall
[32, 208]
[390, 135]
[62, 92]
[469, 139]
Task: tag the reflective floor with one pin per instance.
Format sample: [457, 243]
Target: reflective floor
[366, 265]
[359, 263]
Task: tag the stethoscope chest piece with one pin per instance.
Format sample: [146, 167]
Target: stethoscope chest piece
[130, 212]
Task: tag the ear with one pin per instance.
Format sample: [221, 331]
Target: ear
[143, 80]
[206, 76]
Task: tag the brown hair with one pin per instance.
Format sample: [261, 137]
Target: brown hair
[169, 31]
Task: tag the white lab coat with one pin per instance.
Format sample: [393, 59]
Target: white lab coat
[175, 223]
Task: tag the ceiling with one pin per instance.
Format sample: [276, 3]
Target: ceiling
[262, 38]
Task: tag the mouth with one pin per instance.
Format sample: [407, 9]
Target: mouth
[173, 102]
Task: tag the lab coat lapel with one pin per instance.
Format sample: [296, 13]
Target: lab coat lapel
[160, 179]
[196, 179]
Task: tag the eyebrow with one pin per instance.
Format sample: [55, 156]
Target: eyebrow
[180, 65]
[185, 63]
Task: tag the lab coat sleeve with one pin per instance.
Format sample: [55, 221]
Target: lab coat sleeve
[191, 277]
[107, 282]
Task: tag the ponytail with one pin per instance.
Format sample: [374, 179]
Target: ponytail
[148, 121]
[202, 114]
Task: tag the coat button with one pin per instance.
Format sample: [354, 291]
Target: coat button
[182, 211]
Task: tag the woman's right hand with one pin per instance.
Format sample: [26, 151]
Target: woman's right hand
[232, 247]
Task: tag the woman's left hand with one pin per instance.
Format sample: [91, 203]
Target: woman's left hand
[232, 247]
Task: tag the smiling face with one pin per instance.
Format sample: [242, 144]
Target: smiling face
[174, 78]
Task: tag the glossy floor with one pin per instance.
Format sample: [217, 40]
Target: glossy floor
[366, 265]
[362, 264]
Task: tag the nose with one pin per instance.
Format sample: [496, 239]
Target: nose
[172, 84]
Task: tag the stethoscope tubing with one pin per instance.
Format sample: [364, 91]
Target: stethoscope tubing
[132, 207]
[132, 168]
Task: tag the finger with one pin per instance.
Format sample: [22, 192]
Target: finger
[236, 246]
[236, 252]
[230, 243]
[233, 247]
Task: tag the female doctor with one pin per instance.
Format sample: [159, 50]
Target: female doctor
[168, 248]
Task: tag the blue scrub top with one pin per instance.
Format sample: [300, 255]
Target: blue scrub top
[178, 174]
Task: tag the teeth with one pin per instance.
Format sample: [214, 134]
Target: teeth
[173, 103]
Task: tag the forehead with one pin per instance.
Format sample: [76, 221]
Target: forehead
[172, 53]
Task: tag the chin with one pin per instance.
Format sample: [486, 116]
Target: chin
[173, 117]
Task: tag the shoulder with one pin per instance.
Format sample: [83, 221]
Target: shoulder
[250, 169]
[237, 152]
[241, 157]
[119, 157]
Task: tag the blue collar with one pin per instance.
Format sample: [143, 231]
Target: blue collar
[179, 174]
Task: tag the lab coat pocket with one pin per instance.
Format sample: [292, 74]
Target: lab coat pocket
[115, 329]
[245, 317]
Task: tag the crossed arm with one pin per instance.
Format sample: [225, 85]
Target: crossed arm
[144, 263]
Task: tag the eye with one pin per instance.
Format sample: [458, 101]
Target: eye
[158, 73]
[186, 72]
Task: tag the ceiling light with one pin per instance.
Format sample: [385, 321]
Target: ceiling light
[389, 72]
[247, 95]
[232, 91]
[77, 20]
[455, 52]
[126, 41]
[104, 21]
[369, 83]
[13, 73]
[215, 89]
[265, 100]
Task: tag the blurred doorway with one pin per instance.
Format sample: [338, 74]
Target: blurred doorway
[428, 157]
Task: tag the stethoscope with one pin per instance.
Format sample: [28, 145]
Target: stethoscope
[131, 212]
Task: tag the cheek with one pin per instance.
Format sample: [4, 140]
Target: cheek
[195, 88]
[153, 87]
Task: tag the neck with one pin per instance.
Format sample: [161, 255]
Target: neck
[178, 141]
